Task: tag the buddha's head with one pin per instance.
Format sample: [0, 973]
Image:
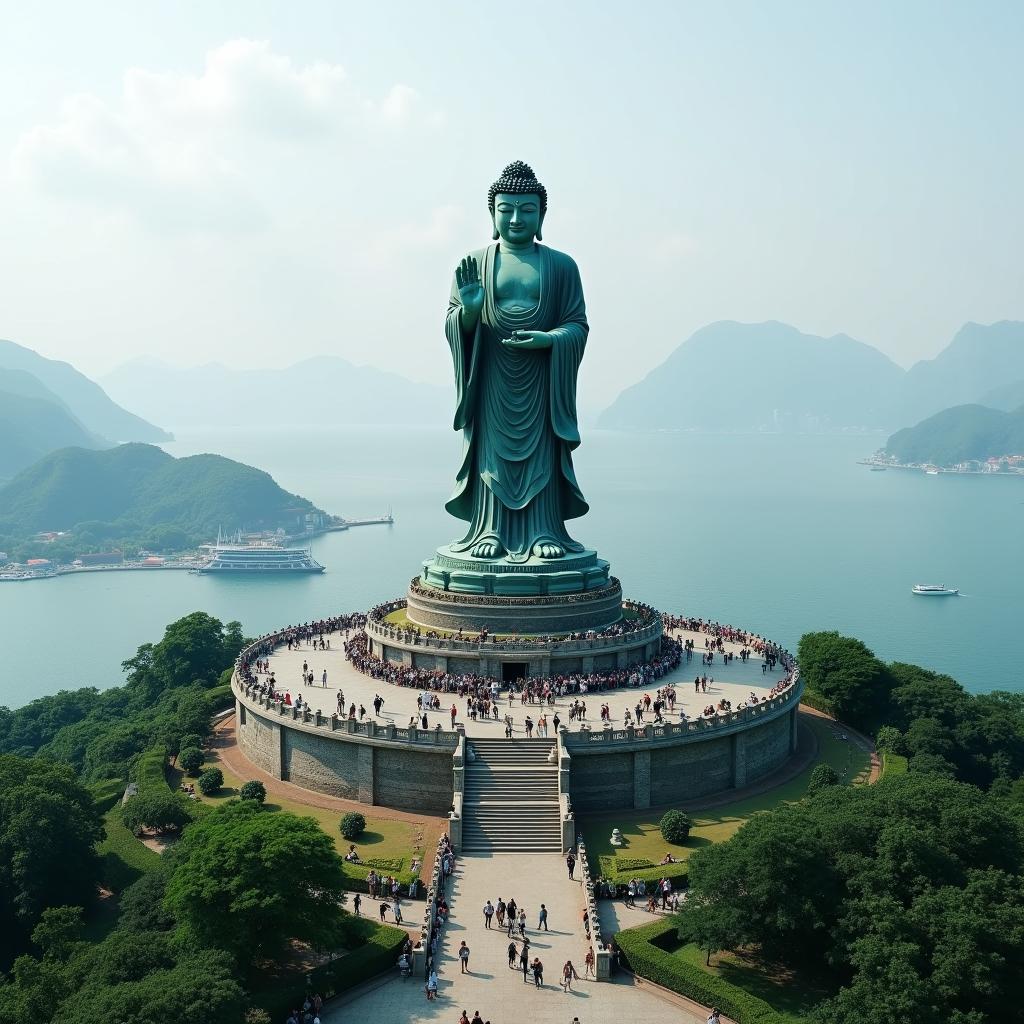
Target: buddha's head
[518, 202]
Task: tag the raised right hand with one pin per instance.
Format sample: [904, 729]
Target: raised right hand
[471, 291]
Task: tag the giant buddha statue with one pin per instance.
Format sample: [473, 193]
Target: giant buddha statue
[517, 328]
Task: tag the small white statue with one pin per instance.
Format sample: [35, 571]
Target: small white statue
[616, 837]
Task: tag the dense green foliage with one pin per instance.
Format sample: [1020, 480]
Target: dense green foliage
[353, 825]
[908, 891]
[253, 790]
[191, 759]
[138, 495]
[644, 950]
[171, 689]
[49, 827]
[137, 977]
[249, 882]
[960, 434]
[926, 716]
[675, 826]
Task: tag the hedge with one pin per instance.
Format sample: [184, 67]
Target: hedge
[615, 869]
[377, 955]
[106, 793]
[642, 949]
[893, 764]
[149, 771]
[355, 875]
[220, 698]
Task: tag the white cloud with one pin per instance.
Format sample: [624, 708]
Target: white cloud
[180, 150]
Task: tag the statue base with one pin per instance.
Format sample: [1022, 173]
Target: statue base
[543, 596]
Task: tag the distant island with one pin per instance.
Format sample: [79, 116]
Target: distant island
[964, 439]
[770, 377]
[76, 501]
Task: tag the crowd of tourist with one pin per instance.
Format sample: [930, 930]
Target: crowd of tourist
[641, 617]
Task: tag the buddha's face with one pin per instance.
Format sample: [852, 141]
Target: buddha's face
[517, 219]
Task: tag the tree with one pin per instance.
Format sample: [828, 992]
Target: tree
[58, 930]
[822, 776]
[251, 882]
[211, 781]
[253, 790]
[675, 827]
[890, 739]
[843, 671]
[353, 825]
[191, 759]
[49, 827]
[190, 739]
[157, 809]
[142, 903]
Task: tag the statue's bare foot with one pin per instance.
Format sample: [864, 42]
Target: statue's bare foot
[548, 550]
[487, 549]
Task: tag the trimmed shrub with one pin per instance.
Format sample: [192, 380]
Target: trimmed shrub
[610, 868]
[644, 951]
[149, 770]
[106, 793]
[211, 781]
[253, 790]
[353, 825]
[823, 776]
[633, 863]
[191, 759]
[675, 827]
[893, 764]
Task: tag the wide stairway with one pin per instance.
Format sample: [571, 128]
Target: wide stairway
[510, 803]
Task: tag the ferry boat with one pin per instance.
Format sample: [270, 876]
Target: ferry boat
[934, 590]
[250, 559]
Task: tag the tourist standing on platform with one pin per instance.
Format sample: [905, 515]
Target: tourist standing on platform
[488, 913]
[570, 863]
[500, 910]
[513, 955]
[542, 918]
[464, 956]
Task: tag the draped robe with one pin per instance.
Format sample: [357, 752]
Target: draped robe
[516, 409]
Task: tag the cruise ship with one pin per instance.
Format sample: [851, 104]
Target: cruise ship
[250, 559]
[934, 590]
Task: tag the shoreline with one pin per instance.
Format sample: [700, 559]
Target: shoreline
[937, 470]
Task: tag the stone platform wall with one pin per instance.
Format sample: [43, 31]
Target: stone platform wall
[415, 776]
[640, 768]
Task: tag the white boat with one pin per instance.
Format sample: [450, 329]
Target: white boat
[932, 472]
[249, 559]
[934, 590]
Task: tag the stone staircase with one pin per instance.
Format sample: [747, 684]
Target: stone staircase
[510, 803]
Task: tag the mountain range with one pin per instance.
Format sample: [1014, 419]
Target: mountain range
[963, 433]
[46, 405]
[322, 391]
[730, 376]
[138, 492]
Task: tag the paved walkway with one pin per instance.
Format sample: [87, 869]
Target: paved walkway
[734, 682]
[491, 987]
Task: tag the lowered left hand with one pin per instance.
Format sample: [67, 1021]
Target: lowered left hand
[528, 339]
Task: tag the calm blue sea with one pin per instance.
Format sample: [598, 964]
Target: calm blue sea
[777, 533]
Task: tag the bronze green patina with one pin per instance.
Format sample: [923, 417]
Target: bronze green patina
[517, 329]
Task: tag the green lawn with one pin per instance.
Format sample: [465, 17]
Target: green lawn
[640, 828]
[790, 995]
[124, 857]
[387, 845]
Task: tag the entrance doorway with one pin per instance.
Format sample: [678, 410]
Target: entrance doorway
[513, 670]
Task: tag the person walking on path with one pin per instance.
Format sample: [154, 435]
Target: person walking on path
[513, 955]
[588, 962]
[357, 903]
[522, 924]
[500, 909]
[715, 1018]
[538, 972]
[570, 863]
[432, 986]
[464, 957]
[397, 910]
[488, 913]
[568, 973]
[524, 960]
[383, 911]
[542, 918]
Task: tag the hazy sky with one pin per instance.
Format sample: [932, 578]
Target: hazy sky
[256, 182]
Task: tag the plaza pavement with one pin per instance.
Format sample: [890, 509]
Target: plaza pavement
[491, 987]
[734, 682]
